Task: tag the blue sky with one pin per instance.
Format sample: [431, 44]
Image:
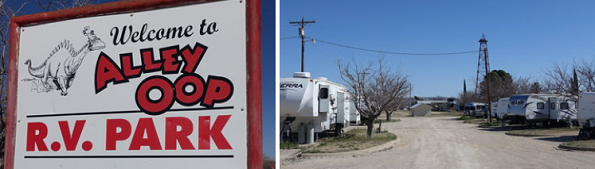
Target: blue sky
[268, 77]
[268, 69]
[524, 37]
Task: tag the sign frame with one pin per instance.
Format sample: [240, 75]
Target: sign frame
[253, 61]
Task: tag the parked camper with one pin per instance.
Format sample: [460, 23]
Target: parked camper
[494, 108]
[541, 108]
[586, 115]
[312, 105]
[475, 109]
[501, 108]
[354, 116]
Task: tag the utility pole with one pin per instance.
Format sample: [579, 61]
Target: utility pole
[483, 55]
[302, 25]
[410, 98]
[464, 99]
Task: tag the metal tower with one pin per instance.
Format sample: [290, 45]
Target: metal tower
[482, 62]
[483, 70]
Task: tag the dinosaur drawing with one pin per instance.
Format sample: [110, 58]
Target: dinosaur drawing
[61, 66]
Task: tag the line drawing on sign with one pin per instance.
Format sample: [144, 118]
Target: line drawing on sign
[59, 69]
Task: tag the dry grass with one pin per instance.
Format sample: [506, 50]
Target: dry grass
[288, 145]
[472, 120]
[445, 114]
[400, 113]
[355, 139]
[384, 120]
[581, 143]
[546, 131]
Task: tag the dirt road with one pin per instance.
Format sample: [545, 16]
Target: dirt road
[442, 142]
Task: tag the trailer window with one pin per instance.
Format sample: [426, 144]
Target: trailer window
[564, 106]
[323, 94]
[540, 105]
[553, 106]
[516, 102]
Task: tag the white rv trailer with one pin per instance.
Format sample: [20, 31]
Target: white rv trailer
[475, 109]
[312, 105]
[586, 115]
[354, 116]
[501, 108]
[494, 109]
[541, 108]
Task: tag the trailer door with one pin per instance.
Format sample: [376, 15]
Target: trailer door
[553, 107]
[323, 99]
[341, 107]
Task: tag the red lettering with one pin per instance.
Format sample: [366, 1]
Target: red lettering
[127, 66]
[106, 71]
[173, 136]
[171, 65]
[219, 89]
[205, 132]
[36, 132]
[145, 125]
[159, 106]
[192, 57]
[149, 64]
[189, 98]
[71, 139]
[112, 135]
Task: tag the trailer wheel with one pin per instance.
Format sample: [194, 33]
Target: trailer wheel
[339, 130]
[585, 134]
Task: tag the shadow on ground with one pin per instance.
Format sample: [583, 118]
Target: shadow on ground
[559, 139]
[506, 128]
[496, 129]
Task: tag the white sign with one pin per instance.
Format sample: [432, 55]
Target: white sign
[163, 88]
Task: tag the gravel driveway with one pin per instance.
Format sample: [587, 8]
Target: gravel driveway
[443, 142]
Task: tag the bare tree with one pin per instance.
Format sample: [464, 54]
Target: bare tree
[6, 12]
[468, 96]
[586, 73]
[562, 80]
[535, 88]
[522, 85]
[374, 89]
[397, 105]
[559, 79]
[52, 5]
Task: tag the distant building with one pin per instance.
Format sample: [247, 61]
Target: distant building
[438, 103]
[420, 109]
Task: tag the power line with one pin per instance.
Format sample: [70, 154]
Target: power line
[293, 37]
[391, 52]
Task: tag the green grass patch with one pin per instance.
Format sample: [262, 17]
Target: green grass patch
[544, 131]
[472, 120]
[445, 114]
[464, 117]
[488, 124]
[581, 143]
[384, 120]
[288, 145]
[355, 139]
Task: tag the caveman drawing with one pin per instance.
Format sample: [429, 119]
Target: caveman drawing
[59, 69]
